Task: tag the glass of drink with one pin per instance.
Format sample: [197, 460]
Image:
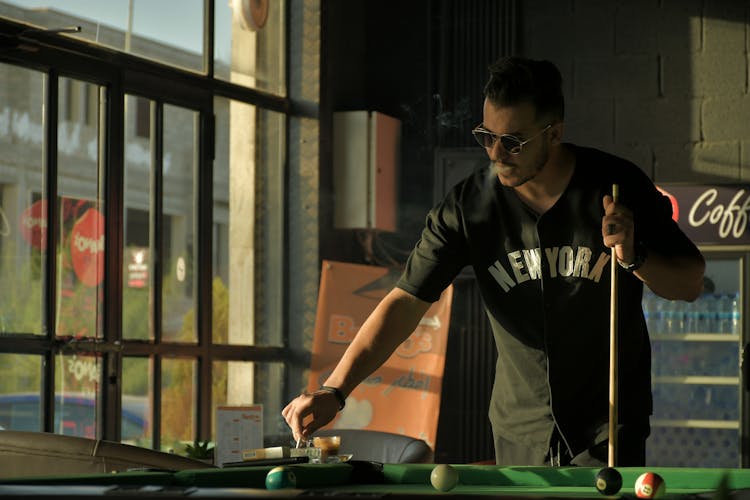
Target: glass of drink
[329, 446]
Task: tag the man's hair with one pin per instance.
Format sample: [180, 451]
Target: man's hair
[514, 80]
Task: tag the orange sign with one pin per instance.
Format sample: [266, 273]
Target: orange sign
[403, 395]
[87, 247]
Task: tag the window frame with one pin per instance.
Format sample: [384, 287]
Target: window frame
[119, 74]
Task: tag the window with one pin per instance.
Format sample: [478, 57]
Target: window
[242, 177]
[167, 31]
[253, 55]
[24, 212]
[144, 219]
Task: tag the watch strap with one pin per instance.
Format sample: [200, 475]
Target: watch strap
[638, 260]
[337, 393]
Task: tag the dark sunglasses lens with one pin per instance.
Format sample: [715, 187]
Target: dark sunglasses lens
[510, 144]
[485, 139]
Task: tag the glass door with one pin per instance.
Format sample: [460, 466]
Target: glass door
[696, 369]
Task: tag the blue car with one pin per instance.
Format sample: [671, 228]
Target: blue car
[75, 415]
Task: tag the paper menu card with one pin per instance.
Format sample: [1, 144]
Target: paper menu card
[237, 428]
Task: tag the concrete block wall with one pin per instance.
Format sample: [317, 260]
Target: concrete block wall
[663, 83]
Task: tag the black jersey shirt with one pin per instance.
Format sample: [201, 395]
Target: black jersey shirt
[545, 283]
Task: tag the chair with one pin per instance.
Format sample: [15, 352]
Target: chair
[377, 446]
[24, 454]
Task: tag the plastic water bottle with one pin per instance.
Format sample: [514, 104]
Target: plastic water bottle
[658, 317]
[677, 325]
[672, 316]
[706, 310]
[727, 305]
[735, 312]
[723, 313]
[648, 304]
[691, 317]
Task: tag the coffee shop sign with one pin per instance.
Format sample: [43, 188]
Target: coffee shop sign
[717, 214]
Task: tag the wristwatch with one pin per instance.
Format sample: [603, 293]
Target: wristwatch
[336, 392]
[638, 260]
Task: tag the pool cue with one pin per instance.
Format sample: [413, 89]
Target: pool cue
[612, 446]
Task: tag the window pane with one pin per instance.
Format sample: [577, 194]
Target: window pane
[231, 114]
[239, 383]
[80, 252]
[269, 228]
[248, 224]
[23, 216]
[138, 264]
[20, 386]
[178, 221]
[249, 44]
[76, 394]
[178, 404]
[168, 31]
[137, 401]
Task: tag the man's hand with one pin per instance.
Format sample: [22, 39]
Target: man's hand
[618, 229]
[309, 412]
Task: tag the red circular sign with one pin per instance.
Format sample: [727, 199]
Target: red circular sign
[87, 247]
[673, 201]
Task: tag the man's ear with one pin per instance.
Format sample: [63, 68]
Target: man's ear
[556, 133]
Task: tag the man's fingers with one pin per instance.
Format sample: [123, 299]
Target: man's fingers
[312, 426]
[309, 412]
[295, 412]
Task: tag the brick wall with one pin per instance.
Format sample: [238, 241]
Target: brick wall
[663, 83]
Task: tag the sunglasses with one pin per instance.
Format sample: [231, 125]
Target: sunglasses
[511, 143]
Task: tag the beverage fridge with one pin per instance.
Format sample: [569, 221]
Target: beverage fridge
[699, 349]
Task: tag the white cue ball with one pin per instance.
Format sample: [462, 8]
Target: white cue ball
[444, 477]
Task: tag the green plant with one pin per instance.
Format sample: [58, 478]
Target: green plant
[201, 450]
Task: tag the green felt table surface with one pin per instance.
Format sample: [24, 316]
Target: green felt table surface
[360, 478]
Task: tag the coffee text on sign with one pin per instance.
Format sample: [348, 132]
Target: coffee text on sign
[731, 219]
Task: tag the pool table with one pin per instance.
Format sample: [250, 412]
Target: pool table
[368, 479]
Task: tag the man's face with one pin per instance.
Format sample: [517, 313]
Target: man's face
[519, 121]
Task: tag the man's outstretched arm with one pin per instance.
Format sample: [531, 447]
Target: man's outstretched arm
[392, 321]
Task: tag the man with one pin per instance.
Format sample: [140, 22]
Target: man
[537, 225]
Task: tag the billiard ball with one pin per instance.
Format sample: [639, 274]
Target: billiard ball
[444, 477]
[280, 477]
[608, 481]
[650, 485]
